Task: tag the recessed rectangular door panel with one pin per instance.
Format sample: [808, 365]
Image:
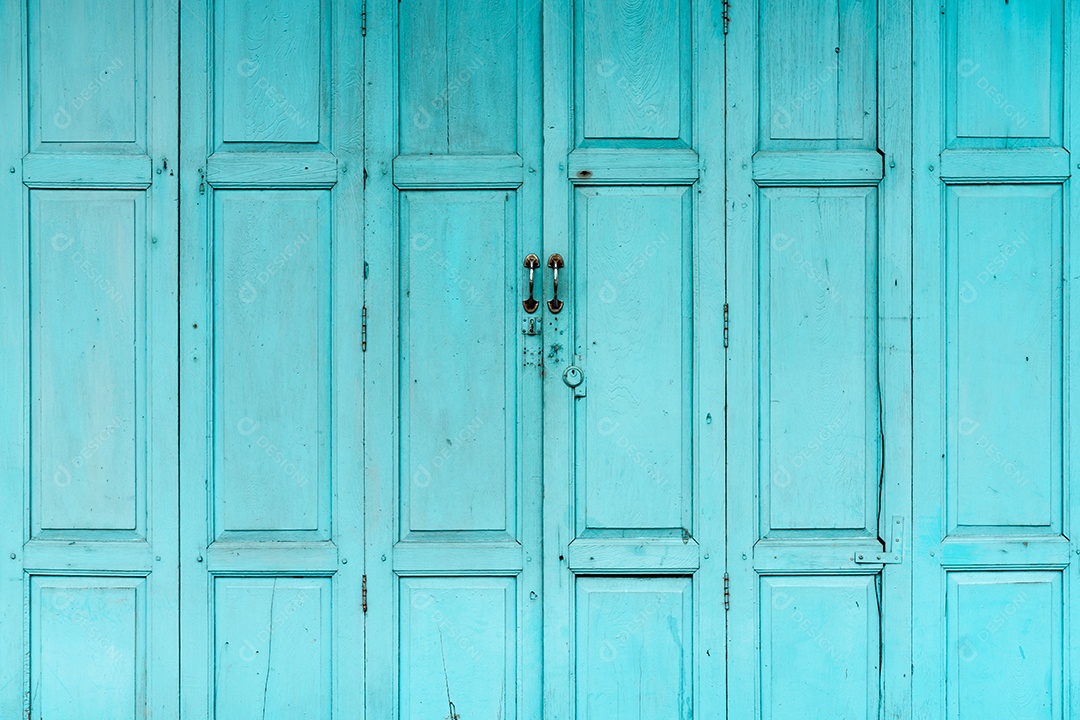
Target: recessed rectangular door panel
[272, 290]
[459, 409]
[89, 66]
[821, 446]
[633, 256]
[820, 628]
[273, 647]
[458, 646]
[88, 339]
[638, 630]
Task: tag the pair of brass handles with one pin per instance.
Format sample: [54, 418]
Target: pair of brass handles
[532, 262]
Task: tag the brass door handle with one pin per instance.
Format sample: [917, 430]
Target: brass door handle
[531, 303]
[555, 262]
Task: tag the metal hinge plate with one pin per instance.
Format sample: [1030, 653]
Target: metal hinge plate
[891, 556]
[727, 15]
[725, 324]
[363, 329]
[363, 20]
[363, 593]
[727, 592]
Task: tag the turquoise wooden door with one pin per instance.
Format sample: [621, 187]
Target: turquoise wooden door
[453, 364]
[271, 501]
[577, 359]
[634, 520]
[994, 544]
[602, 407]
[819, 371]
[88, 420]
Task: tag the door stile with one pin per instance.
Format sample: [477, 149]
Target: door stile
[14, 410]
[381, 376]
[741, 416]
[895, 347]
[557, 509]
[711, 311]
[195, 349]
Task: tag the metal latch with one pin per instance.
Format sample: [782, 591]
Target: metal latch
[531, 326]
[574, 378]
[891, 556]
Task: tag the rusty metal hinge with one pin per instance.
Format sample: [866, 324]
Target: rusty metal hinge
[727, 592]
[727, 15]
[725, 324]
[363, 329]
[363, 20]
[363, 593]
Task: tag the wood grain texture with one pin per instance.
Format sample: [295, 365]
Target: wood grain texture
[89, 405]
[633, 69]
[271, 360]
[1009, 73]
[817, 145]
[271, 84]
[452, 466]
[993, 375]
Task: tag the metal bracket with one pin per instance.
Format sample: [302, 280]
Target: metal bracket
[893, 555]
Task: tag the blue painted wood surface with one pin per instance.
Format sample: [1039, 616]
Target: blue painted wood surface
[278, 438]
[89, 403]
[271, 269]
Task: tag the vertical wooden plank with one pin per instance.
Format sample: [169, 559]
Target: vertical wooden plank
[347, 114]
[895, 347]
[558, 668]
[453, 444]
[989, 246]
[13, 409]
[381, 100]
[928, 457]
[163, 261]
[871, 40]
[130, 527]
[741, 416]
[1071, 360]
[710, 359]
[637, 456]
[195, 355]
